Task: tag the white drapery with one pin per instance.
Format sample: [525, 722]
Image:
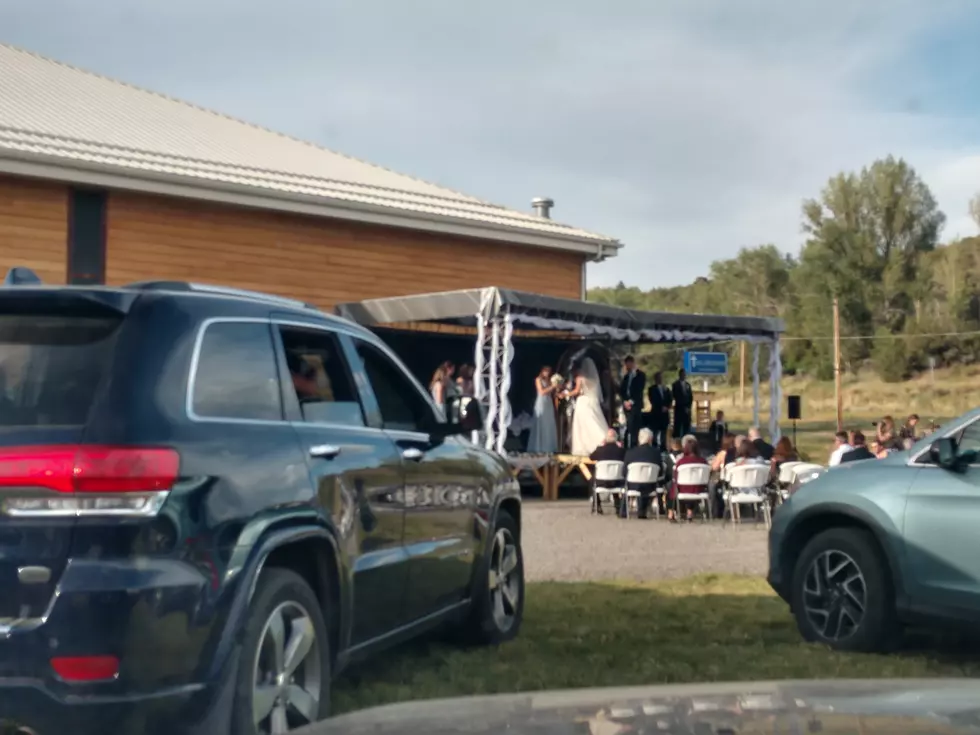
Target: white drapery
[633, 335]
[775, 390]
[506, 358]
[755, 384]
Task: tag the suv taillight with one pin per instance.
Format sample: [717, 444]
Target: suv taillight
[85, 480]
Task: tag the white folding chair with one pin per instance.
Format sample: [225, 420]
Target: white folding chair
[787, 472]
[748, 487]
[698, 475]
[726, 471]
[609, 480]
[642, 476]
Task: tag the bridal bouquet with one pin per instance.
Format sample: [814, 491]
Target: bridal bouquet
[557, 380]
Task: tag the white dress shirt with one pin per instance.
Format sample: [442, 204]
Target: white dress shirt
[838, 453]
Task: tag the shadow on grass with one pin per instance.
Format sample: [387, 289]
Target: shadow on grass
[703, 629]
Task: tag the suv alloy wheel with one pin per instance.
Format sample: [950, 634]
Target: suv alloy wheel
[498, 601]
[841, 593]
[284, 670]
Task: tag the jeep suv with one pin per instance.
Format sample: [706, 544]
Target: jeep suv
[212, 500]
[864, 548]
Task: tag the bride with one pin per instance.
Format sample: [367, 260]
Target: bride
[589, 425]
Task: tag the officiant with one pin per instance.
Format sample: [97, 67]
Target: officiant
[631, 390]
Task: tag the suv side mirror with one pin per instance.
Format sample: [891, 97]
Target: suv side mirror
[463, 415]
[943, 453]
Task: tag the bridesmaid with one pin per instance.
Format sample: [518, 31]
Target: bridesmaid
[544, 432]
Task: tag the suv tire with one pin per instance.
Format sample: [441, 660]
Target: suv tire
[841, 593]
[498, 596]
[284, 614]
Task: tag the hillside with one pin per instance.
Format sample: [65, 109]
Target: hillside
[950, 392]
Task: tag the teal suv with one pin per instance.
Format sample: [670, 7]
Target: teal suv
[865, 548]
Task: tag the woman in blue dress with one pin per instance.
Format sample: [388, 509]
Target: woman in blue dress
[544, 432]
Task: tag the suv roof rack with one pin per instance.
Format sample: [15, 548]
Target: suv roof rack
[21, 276]
[187, 286]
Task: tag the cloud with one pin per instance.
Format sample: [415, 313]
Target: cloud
[685, 129]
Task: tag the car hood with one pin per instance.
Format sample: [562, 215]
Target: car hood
[910, 707]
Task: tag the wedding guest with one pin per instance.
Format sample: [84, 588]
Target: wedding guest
[888, 439]
[609, 450]
[725, 454]
[748, 454]
[464, 383]
[544, 431]
[732, 454]
[783, 452]
[689, 455]
[442, 386]
[660, 402]
[683, 403]
[859, 451]
[908, 431]
[842, 446]
[631, 390]
[763, 448]
[718, 429]
[645, 452]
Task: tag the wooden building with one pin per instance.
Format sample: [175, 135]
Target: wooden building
[101, 182]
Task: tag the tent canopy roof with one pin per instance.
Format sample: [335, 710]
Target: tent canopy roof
[461, 307]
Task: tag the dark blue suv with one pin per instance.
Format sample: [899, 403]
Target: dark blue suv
[212, 500]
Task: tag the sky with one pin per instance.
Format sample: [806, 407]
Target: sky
[686, 129]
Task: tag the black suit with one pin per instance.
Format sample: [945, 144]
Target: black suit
[632, 389]
[764, 448]
[645, 453]
[606, 452]
[661, 400]
[856, 454]
[683, 402]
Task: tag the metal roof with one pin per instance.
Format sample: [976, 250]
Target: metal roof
[53, 112]
[461, 307]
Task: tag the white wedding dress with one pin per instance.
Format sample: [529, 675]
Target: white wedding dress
[589, 425]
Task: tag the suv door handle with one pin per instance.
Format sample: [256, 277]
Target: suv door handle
[412, 453]
[324, 451]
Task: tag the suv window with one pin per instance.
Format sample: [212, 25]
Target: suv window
[320, 376]
[51, 366]
[236, 373]
[402, 407]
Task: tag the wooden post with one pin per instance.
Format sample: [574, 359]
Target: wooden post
[741, 374]
[837, 388]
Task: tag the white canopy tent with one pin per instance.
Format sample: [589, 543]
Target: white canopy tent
[496, 312]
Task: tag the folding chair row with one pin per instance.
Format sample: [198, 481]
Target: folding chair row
[616, 479]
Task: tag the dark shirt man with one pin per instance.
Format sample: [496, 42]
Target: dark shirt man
[631, 391]
[645, 451]
[683, 402]
[860, 450]
[717, 430]
[764, 448]
[661, 400]
[609, 451]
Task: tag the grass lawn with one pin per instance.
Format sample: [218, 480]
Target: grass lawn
[700, 629]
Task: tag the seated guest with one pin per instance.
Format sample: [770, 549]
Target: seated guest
[676, 449]
[726, 453]
[717, 430]
[732, 454]
[690, 455]
[783, 452]
[908, 432]
[860, 450]
[748, 454]
[609, 451]
[842, 445]
[644, 452]
[763, 448]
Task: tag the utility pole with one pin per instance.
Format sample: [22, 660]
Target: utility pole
[741, 374]
[837, 389]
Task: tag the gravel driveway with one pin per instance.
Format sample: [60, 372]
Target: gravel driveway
[563, 541]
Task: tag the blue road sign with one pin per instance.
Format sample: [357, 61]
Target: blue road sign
[706, 363]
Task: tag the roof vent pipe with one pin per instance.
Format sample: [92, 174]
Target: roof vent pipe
[542, 206]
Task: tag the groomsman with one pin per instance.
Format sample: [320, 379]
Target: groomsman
[631, 390]
[660, 402]
[683, 403]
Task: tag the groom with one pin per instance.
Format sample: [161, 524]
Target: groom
[631, 390]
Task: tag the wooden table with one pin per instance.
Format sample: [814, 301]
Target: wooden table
[551, 471]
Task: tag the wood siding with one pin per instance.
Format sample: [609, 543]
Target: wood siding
[34, 227]
[317, 260]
